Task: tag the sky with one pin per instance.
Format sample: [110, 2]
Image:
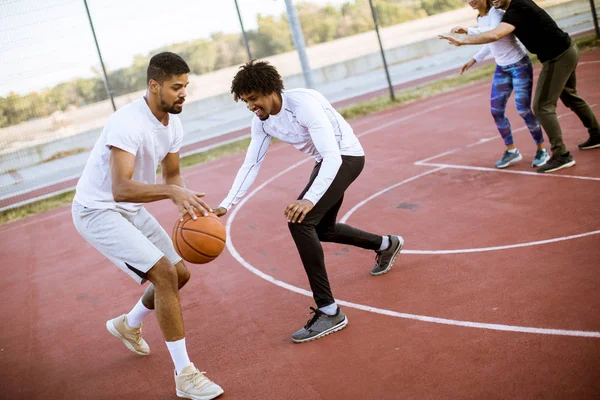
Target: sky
[45, 42]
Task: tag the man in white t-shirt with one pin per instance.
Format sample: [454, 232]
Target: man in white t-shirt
[306, 120]
[108, 212]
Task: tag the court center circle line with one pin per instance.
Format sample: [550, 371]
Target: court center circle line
[423, 318]
[459, 251]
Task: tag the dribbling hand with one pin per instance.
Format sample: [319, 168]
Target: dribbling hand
[187, 201]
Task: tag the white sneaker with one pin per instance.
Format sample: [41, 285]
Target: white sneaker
[191, 384]
[131, 337]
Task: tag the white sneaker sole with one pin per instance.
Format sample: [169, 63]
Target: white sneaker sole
[385, 271]
[113, 331]
[333, 329]
[590, 147]
[184, 395]
[510, 162]
[567, 165]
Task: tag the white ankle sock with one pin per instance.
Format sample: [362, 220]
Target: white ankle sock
[329, 310]
[137, 314]
[512, 150]
[179, 354]
[385, 243]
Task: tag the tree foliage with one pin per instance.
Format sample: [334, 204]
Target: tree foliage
[272, 36]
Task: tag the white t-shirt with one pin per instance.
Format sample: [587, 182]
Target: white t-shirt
[308, 122]
[507, 50]
[136, 130]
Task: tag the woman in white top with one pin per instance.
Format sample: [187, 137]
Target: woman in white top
[513, 71]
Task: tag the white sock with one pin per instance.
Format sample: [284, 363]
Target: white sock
[137, 314]
[179, 354]
[512, 150]
[329, 310]
[385, 243]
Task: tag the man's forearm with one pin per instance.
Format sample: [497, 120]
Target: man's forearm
[483, 38]
[176, 180]
[139, 192]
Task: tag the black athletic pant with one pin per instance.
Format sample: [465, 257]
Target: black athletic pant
[320, 225]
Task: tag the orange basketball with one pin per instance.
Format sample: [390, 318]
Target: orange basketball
[199, 241]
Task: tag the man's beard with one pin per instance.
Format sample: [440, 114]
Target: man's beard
[171, 109]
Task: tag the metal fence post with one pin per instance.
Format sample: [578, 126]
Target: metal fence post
[106, 84]
[243, 31]
[595, 17]
[385, 66]
[299, 43]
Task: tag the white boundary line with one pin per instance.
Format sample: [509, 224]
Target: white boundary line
[509, 246]
[424, 318]
[507, 171]
[365, 201]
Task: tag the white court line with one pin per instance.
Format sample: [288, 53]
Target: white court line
[470, 250]
[508, 171]
[417, 114]
[487, 139]
[424, 318]
[365, 201]
[509, 246]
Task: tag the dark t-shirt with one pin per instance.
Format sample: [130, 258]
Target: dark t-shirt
[536, 29]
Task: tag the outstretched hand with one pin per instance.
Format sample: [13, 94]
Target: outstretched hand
[296, 211]
[187, 201]
[451, 40]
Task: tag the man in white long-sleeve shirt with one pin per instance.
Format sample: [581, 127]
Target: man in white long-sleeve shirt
[306, 120]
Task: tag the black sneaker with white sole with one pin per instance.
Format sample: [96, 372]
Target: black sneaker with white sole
[591, 143]
[557, 162]
[385, 258]
[320, 325]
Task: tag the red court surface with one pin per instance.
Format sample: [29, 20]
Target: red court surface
[496, 295]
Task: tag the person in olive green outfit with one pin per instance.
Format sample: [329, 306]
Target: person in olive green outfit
[559, 55]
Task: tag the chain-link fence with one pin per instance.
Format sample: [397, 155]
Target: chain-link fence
[55, 94]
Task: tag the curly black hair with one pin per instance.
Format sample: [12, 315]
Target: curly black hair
[165, 65]
[256, 77]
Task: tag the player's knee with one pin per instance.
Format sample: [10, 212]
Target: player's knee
[497, 114]
[572, 102]
[163, 274]
[299, 228]
[524, 112]
[183, 276]
[539, 108]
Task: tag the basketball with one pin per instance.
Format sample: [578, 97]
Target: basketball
[199, 241]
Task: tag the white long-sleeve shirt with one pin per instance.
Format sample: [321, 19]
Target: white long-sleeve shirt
[507, 50]
[308, 122]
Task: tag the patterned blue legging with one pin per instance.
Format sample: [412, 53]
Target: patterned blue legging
[517, 76]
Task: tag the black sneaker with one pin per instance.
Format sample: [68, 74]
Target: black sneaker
[557, 162]
[385, 258]
[320, 325]
[591, 143]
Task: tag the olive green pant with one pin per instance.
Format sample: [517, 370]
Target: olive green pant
[557, 80]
